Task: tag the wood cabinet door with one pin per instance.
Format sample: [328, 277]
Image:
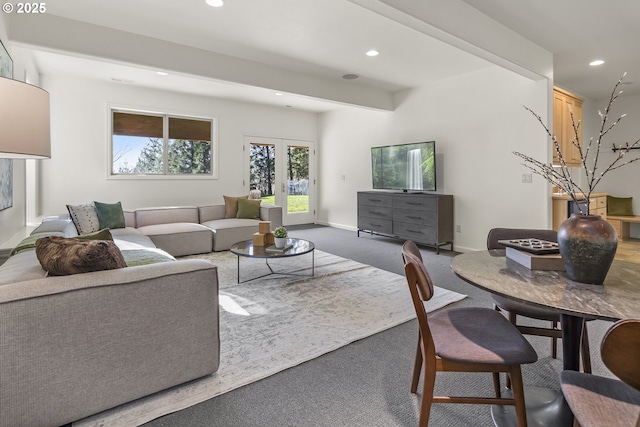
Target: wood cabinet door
[564, 103]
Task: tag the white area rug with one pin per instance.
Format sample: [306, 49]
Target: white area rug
[276, 322]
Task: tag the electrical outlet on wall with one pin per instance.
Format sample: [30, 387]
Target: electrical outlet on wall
[458, 228]
[527, 178]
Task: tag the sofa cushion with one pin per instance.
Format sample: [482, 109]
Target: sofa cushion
[229, 231]
[84, 217]
[110, 215]
[131, 238]
[21, 267]
[166, 215]
[231, 205]
[62, 256]
[248, 209]
[211, 212]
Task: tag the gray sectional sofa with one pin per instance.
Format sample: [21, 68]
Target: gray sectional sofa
[73, 346]
[186, 230]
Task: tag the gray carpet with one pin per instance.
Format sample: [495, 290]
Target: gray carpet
[367, 383]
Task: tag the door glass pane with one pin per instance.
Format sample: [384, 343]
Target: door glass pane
[262, 170]
[297, 179]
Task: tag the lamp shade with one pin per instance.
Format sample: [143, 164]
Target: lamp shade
[25, 122]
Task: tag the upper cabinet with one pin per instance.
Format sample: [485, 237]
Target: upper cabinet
[562, 127]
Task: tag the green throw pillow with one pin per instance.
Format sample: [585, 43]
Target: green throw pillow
[620, 206]
[103, 234]
[110, 215]
[248, 209]
[231, 206]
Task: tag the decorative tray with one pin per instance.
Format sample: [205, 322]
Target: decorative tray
[534, 246]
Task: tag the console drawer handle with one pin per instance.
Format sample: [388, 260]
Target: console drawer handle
[414, 231]
[414, 217]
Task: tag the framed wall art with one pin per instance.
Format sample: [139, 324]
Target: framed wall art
[6, 183]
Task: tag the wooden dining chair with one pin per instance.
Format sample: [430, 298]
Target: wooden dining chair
[512, 309]
[599, 401]
[465, 339]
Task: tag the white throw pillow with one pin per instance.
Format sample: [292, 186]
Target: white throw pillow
[49, 225]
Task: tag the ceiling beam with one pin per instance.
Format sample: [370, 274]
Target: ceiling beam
[62, 35]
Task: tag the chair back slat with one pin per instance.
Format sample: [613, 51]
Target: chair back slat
[411, 248]
[421, 289]
[620, 351]
[423, 281]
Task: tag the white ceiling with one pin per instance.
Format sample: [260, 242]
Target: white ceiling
[329, 38]
[578, 32]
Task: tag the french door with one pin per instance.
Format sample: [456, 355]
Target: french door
[284, 172]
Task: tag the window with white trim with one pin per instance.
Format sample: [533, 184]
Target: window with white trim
[150, 144]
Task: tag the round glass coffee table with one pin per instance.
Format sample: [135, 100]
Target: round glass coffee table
[294, 247]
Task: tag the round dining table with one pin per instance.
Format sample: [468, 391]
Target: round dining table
[617, 298]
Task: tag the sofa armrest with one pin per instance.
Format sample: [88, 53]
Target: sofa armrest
[98, 340]
[129, 218]
[271, 213]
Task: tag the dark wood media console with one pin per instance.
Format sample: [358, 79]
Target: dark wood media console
[425, 218]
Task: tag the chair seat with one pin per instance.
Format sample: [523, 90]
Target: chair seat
[479, 335]
[599, 401]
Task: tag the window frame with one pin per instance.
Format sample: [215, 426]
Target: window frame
[111, 109]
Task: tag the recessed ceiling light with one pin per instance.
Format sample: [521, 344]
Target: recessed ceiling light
[278, 94]
[162, 73]
[596, 62]
[350, 76]
[215, 3]
[373, 52]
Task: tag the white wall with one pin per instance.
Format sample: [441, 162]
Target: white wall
[13, 218]
[477, 120]
[77, 170]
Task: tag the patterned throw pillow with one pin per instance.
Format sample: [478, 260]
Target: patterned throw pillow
[84, 217]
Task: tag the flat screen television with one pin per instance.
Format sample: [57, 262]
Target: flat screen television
[404, 166]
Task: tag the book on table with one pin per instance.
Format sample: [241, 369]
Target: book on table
[536, 262]
[273, 248]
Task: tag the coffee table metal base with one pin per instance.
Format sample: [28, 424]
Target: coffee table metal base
[272, 271]
[295, 247]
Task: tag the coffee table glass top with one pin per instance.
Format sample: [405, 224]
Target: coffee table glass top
[247, 248]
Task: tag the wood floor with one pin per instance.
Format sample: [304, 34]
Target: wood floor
[629, 251]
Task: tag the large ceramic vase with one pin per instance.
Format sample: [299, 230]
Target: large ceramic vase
[588, 245]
